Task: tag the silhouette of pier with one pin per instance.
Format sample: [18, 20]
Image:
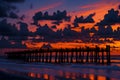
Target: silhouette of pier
[73, 55]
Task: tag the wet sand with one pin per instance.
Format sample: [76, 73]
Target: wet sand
[7, 76]
[12, 70]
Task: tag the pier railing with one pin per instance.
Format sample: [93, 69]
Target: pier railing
[73, 55]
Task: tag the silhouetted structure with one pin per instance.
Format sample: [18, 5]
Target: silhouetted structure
[74, 55]
[46, 46]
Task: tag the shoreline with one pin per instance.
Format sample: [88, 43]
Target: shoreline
[8, 76]
[17, 71]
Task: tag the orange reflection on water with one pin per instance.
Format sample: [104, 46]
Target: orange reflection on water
[60, 73]
[51, 77]
[46, 76]
[38, 76]
[68, 75]
[31, 75]
[84, 75]
[91, 76]
[73, 76]
[101, 78]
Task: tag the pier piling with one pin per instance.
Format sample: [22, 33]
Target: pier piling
[75, 55]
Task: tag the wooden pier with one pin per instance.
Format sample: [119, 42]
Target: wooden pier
[74, 55]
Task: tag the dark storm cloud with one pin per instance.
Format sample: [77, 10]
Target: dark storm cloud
[13, 15]
[53, 27]
[69, 33]
[111, 18]
[13, 33]
[22, 17]
[50, 35]
[7, 44]
[119, 7]
[44, 31]
[4, 43]
[7, 29]
[88, 19]
[56, 16]
[24, 29]
[81, 19]
[6, 8]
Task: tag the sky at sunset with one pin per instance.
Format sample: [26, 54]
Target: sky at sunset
[59, 39]
[31, 23]
[74, 8]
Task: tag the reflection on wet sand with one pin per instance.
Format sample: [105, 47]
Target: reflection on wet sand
[46, 71]
[67, 76]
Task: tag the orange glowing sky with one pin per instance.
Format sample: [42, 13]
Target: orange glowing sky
[99, 7]
[73, 8]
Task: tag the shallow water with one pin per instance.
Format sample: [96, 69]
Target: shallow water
[46, 71]
[63, 75]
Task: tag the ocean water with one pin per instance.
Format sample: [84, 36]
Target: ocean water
[47, 71]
